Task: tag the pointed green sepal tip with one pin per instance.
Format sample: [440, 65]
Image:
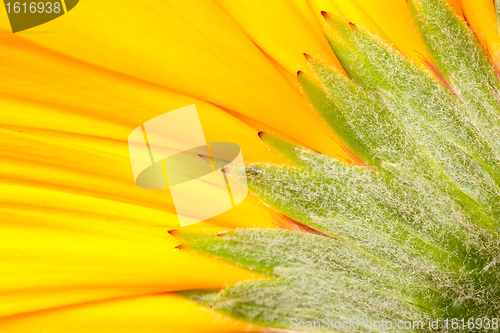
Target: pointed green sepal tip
[339, 25]
[204, 297]
[186, 235]
[335, 114]
[286, 148]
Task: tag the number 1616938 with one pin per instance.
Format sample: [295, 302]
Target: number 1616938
[471, 324]
[33, 7]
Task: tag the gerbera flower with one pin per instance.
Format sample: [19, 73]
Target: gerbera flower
[381, 157]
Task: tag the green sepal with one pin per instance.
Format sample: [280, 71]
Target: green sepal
[363, 207]
[446, 146]
[497, 10]
[202, 297]
[285, 147]
[335, 118]
[381, 134]
[341, 39]
[462, 60]
[300, 278]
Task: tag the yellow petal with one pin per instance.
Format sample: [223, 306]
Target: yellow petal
[317, 6]
[35, 299]
[393, 18]
[388, 19]
[481, 16]
[284, 30]
[457, 7]
[72, 102]
[73, 220]
[73, 174]
[146, 314]
[200, 52]
[83, 264]
[69, 97]
[289, 77]
[358, 16]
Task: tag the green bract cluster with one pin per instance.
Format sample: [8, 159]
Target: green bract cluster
[411, 234]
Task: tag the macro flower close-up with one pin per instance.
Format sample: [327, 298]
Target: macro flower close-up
[370, 136]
